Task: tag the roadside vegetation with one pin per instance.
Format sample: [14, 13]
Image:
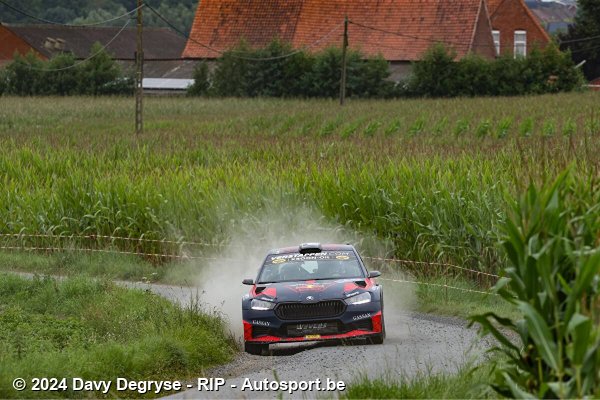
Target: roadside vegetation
[98, 331]
[470, 382]
[550, 347]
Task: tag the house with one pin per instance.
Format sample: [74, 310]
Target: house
[516, 29]
[399, 30]
[162, 48]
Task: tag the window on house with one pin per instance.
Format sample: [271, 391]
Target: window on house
[496, 35]
[520, 44]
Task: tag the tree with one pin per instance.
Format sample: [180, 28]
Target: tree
[583, 37]
[98, 72]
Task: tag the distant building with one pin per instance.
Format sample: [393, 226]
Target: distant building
[516, 29]
[399, 30]
[162, 48]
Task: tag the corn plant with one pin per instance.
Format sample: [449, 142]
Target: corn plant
[503, 127]
[553, 280]
[483, 129]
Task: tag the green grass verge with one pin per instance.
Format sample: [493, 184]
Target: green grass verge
[470, 382]
[96, 330]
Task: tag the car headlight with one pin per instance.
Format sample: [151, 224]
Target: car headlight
[359, 299]
[261, 305]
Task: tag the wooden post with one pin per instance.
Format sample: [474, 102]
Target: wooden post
[139, 74]
[344, 50]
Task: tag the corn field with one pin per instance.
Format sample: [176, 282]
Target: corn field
[430, 176]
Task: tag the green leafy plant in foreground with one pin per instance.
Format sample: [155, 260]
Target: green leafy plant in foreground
[553, 281]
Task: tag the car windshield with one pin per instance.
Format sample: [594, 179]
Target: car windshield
[314, 266]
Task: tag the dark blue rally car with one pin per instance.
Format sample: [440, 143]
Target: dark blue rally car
[312, 292]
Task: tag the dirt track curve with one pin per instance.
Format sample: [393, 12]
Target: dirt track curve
[415, 343]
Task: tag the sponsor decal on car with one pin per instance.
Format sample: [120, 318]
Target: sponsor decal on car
[312, 337]
[304, 327]
[310, 287]
[361, 316]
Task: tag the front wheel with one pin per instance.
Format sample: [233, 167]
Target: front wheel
[258, 349]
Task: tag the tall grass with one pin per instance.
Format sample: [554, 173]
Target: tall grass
[73, 166]
[98, 331]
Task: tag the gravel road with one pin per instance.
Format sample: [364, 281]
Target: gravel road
[415, 343]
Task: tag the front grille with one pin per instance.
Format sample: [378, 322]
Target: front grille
[322, 309]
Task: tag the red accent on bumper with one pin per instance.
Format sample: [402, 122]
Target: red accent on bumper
[247, 331]
[376, 321]
[275, 339]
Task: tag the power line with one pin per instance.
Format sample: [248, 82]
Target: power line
[584, 39]
[63, 24]
[465, 44]
[86, 59]
[584, 50]
[418, 37]
[231, 52]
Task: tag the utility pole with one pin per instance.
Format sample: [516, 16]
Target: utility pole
[139, 74]
[344, 50]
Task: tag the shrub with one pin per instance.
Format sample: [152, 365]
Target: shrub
[435, 75]
[278, 71]
[542, 71]
[201, 84]
[24, 75]
[100, 74]
[63, 75]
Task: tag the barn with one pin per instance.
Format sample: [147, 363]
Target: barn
[399, 30]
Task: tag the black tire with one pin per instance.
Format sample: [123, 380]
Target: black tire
[258, 349]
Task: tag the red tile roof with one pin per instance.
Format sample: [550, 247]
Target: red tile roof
[402, 30]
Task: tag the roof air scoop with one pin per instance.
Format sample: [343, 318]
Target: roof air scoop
[308, 248]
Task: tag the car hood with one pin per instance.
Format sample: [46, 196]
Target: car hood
[310, 291]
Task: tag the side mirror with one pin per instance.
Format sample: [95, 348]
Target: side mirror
[374, 274]
[248, 281]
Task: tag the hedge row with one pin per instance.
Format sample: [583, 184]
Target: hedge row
[545, 70]
[240, 73]
[64, 75]
[279, 71]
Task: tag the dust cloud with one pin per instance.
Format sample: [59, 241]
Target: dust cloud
[220, 281]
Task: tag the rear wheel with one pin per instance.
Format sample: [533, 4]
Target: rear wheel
[258, 349]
